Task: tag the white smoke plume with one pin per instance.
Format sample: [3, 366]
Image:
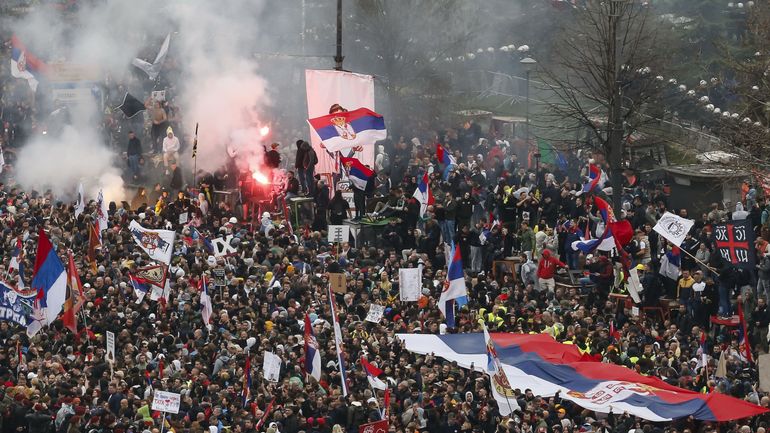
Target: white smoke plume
[219, 86]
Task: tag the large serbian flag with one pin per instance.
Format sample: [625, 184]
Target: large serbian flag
[540, 363]
[24, 64]
[339, 131]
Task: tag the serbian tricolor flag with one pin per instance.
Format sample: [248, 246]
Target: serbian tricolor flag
[454, 288]
[50, 282]
[444, 157]
[616, 233]
[594, 176]
[423, 194]
[358, 173]
[312, 352]
[140, 285]
[371, 374]
[25, 65]
[547, 367]
[501, 388]
[348, 129]
[17, 263]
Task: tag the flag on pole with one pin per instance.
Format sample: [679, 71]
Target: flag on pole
[501, 388]
[102, 214]
[594, 176]
[358, 173]
[153, 69]
[141, 287]
[131, 106]
[94, 242]
[205, 301]
[195, 142]
[265, 415]
[423, 194]
[454, 288]
[704, 355]
[158, 244]
[338, 343]
[246, 392]
[312, 351]
[673, 227]
[343, 130]
[50, 282]
[75, 297]
[446, 159]
[25, 65]
[371, 374]
[744, 336]
[80, 205]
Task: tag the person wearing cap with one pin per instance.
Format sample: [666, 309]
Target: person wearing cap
[170, 147]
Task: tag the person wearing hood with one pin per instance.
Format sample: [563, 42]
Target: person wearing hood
[170, 147]
[740, 213]
[546, 270]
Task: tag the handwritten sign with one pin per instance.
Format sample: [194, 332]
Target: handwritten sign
[409, 284]
[166, 401]
[339, 282]
[375, 313]
[271, 367]
[110, 346]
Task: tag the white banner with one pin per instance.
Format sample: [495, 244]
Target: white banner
[375, 313]
[410, 284]
[222, 247]
[110, 347]
[271, 367]
[351, 91]
[158, 244]
[166, 401]
[674, 228]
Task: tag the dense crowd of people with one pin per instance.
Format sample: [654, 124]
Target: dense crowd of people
[494, 204]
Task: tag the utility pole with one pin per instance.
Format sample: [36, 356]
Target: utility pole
[339, 58]
[615, 146]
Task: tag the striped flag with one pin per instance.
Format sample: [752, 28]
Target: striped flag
[744, 336]
[246, 392]
[338, 343]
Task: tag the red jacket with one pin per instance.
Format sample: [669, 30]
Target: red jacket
[547, 266]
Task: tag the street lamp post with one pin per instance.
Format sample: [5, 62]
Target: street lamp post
[339, 57]
[529, 63]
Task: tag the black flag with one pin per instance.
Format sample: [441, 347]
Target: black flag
[734, 241]
[131, 106]
[195, 143]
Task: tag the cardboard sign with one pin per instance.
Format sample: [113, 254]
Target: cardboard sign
[222, 247]
[184, 217]
[338, 234]
[110, 347]
[764, 372]
[218, 277]
[410, 284]
[271, 367]
[339, 283]
[166, 401]
[158, 95]
[375, 313]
